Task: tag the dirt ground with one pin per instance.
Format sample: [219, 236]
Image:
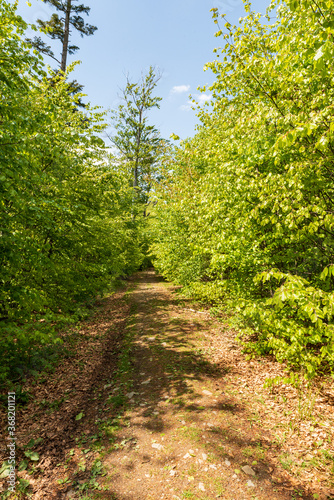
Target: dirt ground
[157, 401]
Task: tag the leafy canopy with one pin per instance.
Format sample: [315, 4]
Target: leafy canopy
[246, 210]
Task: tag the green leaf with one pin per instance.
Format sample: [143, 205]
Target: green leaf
[5, 469]
[32, 455]
[319, 54]
[23, 465]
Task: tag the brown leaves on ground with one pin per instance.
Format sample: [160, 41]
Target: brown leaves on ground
[159, 397]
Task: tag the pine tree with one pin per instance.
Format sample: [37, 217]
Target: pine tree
[59, 28]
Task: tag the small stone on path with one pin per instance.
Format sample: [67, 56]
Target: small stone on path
[70, 494]
[157, 446]
[201, 487]
[250, 484]
[207, 393]
[248, 470]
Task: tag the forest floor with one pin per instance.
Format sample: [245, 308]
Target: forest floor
[155, 400]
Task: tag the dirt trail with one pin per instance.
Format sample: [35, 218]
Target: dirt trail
[184, 435]
[156, 401]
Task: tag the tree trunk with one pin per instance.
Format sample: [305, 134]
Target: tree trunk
[135, 173]
[139, 131]
[66, 35]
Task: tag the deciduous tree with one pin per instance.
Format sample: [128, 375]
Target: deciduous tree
[248, 215]
[138, 144]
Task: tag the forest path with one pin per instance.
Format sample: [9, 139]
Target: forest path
[184, 432]
[153, 399]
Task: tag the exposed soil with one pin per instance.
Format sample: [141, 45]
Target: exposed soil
[159, 398]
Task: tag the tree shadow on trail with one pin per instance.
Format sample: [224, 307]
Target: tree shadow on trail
[167, 351]
[94, 391]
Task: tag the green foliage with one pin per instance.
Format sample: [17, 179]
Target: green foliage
[32, 455]
[66, 225]
[137, 143]
[245, 211]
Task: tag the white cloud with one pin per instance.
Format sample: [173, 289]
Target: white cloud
[200, 98]
[186, 107]
[179, 89]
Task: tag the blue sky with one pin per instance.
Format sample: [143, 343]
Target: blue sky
[175, 36]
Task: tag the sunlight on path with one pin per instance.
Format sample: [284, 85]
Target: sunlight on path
[183, 435]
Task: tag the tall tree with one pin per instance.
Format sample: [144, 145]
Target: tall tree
[58, 27]
[247, 214]
[137, 142]
[65, 216]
